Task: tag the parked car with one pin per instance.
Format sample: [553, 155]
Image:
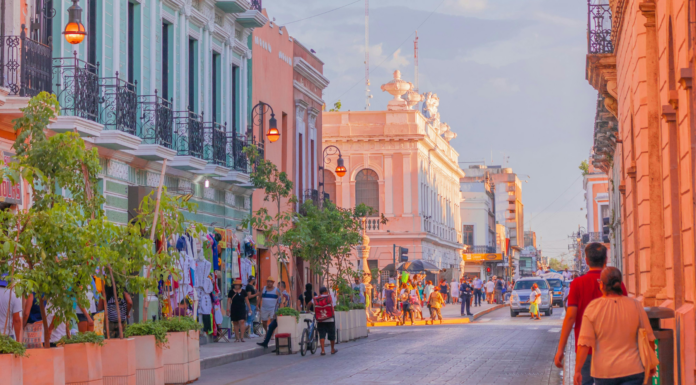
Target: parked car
[557, 288]
[521, 292]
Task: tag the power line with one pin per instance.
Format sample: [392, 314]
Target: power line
[555, 200]
[397, 48]
[323, 13]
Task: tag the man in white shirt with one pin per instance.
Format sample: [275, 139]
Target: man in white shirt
[477, 284]
[14, 313]
[539, 272]
[490, 288]
[55, 329]
[567, 275]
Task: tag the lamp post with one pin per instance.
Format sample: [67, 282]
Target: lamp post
[75, 31]
[340, 168]
[258, 114]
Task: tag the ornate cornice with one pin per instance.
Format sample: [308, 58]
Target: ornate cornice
[307, 92]
[310, 73]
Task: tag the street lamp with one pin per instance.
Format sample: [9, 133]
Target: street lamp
[75, 31]
[257, 118]
[340, 167]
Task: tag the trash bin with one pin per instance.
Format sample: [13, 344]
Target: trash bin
[664, 345]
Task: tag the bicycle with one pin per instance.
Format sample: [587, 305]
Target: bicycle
[307, 342]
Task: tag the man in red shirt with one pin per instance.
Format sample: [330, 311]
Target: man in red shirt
[582, 291]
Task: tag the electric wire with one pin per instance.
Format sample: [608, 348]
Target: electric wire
[319, 14]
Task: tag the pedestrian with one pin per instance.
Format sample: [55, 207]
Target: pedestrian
[359, 291]
[465, 292]
[390, 302]
[611, 325]
[239, 308]
[416, 304]
[268, 303]
[490, 286]
[305, 299]
[10, 316]
[85, 316]
[181, 310]
[454, 290]
[285, 296]
[478, 285]
[534, 301]
[56, 328]
[444, 289]
[499, 289]
[125, 303]
[405, 295]
[252, 296]
[435, 302]
[567, 275]
[419, 289]
[326, 325]
[582, 291]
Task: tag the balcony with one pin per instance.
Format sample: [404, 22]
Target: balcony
[214, 149]
[595, 237]
[253, 18]
[25, 65]
[479, 249]
[373, 224]
[118, 112]
[155, 128]
[599, 27]
[237, 161]
[188, 141]
[233, 6]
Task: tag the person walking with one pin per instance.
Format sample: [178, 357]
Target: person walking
[435, 302]
[490, 286]
[419, 289]
[611, 326]
[454, 290]
[284, 302]
[305, 299]
[268, 302]
[429, 288]
[252, 296]
[534, 301]
[390, 302]
[109, 303]
[238, 308]
[325, 327]
[406, 304]
[465, 295]
[499, 288]
[477, 284]
[444, 289]
[416, 304]
[582, 291]
[10, 313]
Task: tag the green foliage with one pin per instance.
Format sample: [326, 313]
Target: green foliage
[356, 305]
[584, 167]
[180, 324]
[288, 311]
[557, 264]
[148, 328]
[337, 107]
[10, 346]
[81, 338]
[341, 308]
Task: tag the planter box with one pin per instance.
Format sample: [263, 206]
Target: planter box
[288, 324]
[194, 355]
[342, 325]
[44, 366]
[11, 369]
[149, 366]
[175, 359]
[118, 361]
[83, 364]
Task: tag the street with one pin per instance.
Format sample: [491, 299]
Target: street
[496, 349]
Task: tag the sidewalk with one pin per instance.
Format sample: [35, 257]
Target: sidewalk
[222, 353]
[450, 315]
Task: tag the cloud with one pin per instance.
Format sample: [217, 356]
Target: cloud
[503, 86]
[466, 5]
[390, 63]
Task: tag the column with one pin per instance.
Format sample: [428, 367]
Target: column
[345, 184]
[408, 191]
[388, 185]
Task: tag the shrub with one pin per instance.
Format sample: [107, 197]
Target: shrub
[180, 324]
[148, 328]
[341, 308]
[288, 311]
[81, 338]
[10, 346]
[355, 306]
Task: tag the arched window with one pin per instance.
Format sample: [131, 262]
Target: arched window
[367, 189]
[330, 185]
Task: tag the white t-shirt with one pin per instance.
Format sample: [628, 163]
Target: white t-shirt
[58, 330]
[15, 307]
[477, 283]
[567, 275]
[538, 298]
[92, 308]
[539, 273]
[490, 286]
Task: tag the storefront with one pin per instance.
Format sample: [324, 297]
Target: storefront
[483, 265]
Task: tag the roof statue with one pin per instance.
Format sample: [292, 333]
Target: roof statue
[430, 111]
[447, 133]
[397, 87]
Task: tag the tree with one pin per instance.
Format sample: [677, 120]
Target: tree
[558, 265]
[337, 107]
[584, 167]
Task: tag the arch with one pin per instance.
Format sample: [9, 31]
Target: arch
[367, 189]
[330, 185]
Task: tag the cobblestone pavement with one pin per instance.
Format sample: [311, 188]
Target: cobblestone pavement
[496, 349]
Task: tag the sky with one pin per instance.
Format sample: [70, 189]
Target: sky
[510, 75]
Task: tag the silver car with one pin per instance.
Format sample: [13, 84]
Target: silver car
[521, 292]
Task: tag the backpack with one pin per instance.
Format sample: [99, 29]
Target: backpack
[323, 308]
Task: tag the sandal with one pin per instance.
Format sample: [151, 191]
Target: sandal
[334, 352]
[323, 354]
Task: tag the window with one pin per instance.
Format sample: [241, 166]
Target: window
[235, 73]
[284, 148]
[468, 235]
[367, 189]
[92, 32]
[311, 162]
[300, 165]
[166, 30]
[131, 42]
[216, 89]
[192, 75]
[330, 185]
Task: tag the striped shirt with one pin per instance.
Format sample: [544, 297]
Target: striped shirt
[113, 316]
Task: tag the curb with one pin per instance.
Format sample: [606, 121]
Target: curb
[226, 358]
[451, 321]
[494, 308]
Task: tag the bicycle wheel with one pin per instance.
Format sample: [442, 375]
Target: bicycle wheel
[304, 341]
[315, 338]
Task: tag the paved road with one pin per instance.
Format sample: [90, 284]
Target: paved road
[494, 350]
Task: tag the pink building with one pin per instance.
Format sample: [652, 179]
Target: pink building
[400, 162]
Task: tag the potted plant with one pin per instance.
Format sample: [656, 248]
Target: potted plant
[180, 366]
[119, 360]
[11, 353]
[150, 337]
[288, 319]
[83, 357]
[341, 313]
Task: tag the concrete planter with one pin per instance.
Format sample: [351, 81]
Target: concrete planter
[118, 361]
[175, 359]
[11, 369]
[149, 365]
[342, 325]
[44, 366]
[83, 364]
[288, 324]
[194, 355]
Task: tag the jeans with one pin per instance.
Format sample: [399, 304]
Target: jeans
[498, 296]
[271, 328]
[250, 319]
[636, 379]
[477, 297]
[586, 370]
[407, 310]
[465, 305]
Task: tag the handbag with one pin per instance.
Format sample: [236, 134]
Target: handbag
[647, 354]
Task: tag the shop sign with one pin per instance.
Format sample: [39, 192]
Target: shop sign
[482, 257]
[10, 193]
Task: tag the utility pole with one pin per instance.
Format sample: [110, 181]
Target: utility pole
[367, 55]
[415, 61]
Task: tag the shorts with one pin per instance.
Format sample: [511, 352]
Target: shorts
[267, 314]
[534, 308]
[250, 318]
[83, 318]
[325, 328]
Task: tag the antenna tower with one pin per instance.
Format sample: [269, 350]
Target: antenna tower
[367, 55]
[415, 60]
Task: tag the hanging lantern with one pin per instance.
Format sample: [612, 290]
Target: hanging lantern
[273, 133]
[207, 183]
[340, 168]
[75, 31]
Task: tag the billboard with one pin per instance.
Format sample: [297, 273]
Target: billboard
[485, 257]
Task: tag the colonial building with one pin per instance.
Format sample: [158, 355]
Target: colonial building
[479, 235]
[399, 161]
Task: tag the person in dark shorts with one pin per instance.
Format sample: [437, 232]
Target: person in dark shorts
[327, 327]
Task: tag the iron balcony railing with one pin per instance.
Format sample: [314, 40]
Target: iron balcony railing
[119, 104]
[599, 27]
[25, 65]
[155, 120]
[77, 87]
[236, 159]
[313, 196]
[189, 133]
[215, 143]
[256, 4]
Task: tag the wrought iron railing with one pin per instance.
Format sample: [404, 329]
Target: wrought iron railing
[258, 142]
[77, 87]
[119, 104]
[155, 120]
[599, 27]
[256, 4]
[25, 65]
[236, 159]
[189, 133]
[313, 196]
[214, 143]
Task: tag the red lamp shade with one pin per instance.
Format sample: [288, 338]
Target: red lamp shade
[340, 168]
[273, 135]
[75, 31]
